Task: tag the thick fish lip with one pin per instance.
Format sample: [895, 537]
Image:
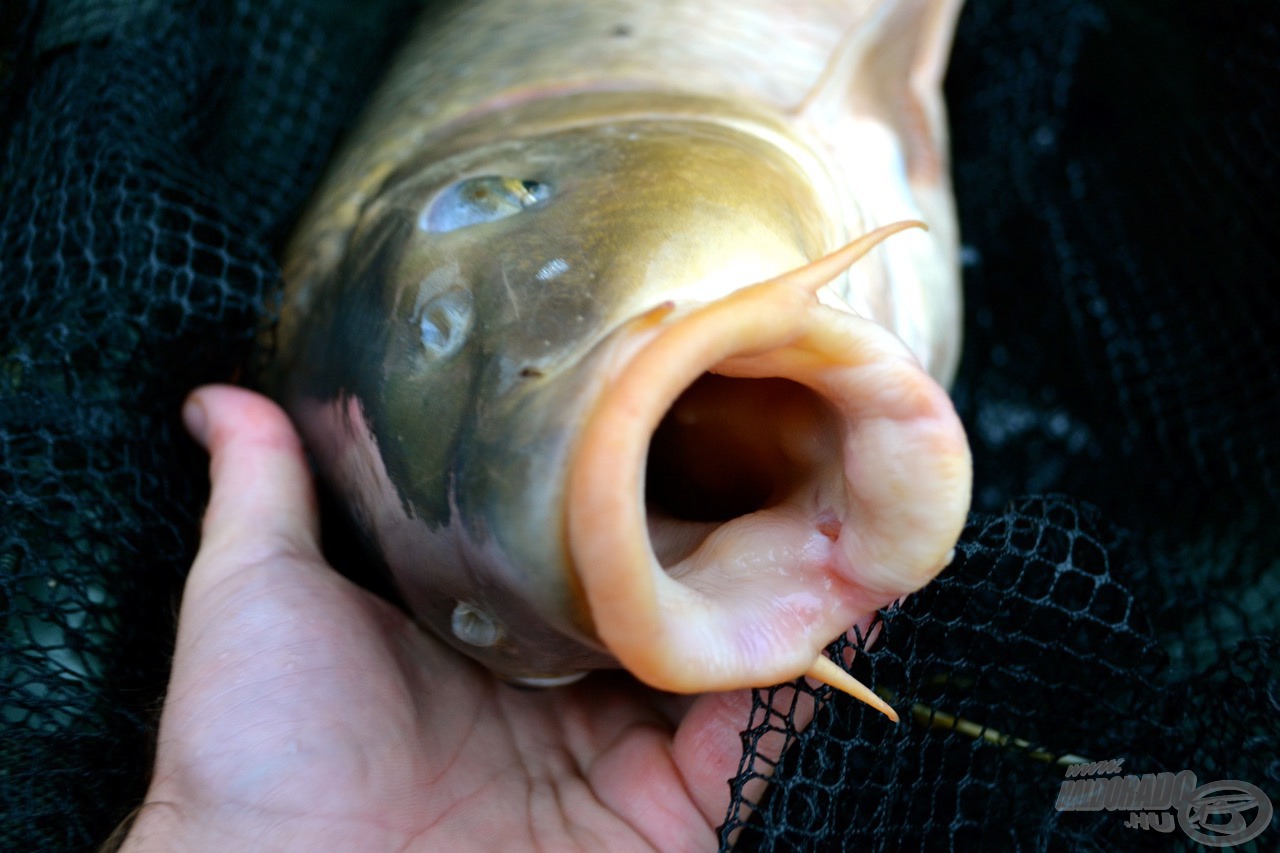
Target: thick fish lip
[900, 494]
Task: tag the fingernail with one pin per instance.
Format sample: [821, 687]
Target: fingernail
[196, 419]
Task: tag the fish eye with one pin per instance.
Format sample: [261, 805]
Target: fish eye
[481, 199]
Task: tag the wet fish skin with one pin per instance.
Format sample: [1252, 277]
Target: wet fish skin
[505, 235]
[851, 86]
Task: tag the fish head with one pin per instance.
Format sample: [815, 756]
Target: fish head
[580, 391]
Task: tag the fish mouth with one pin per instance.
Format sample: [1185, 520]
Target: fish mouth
[760, 473]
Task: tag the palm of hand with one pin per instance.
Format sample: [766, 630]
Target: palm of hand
[304, 712]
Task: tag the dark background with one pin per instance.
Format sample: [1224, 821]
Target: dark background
[1116, 593]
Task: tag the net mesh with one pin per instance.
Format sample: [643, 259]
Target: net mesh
[1115, 594]
[153, 153]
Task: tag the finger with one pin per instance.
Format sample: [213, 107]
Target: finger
[262, 504]
[708, 746]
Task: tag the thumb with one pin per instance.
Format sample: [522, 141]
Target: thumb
[262, 505]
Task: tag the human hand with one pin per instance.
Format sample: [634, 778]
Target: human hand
[306, 713]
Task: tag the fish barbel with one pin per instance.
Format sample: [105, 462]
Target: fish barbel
[575, 330]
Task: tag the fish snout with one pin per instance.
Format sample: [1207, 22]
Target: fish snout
[760, 473]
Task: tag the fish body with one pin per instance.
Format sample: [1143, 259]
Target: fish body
[569, 328]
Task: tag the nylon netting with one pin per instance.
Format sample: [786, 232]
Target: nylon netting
[1115, 594]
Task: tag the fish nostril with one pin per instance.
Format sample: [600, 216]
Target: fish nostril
[444, 321]
[487, 198]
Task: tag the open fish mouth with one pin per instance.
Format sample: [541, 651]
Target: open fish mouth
[759, 473]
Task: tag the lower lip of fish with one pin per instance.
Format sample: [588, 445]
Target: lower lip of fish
[734, 501]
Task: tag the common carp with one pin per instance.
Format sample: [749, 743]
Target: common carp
[592, 328]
